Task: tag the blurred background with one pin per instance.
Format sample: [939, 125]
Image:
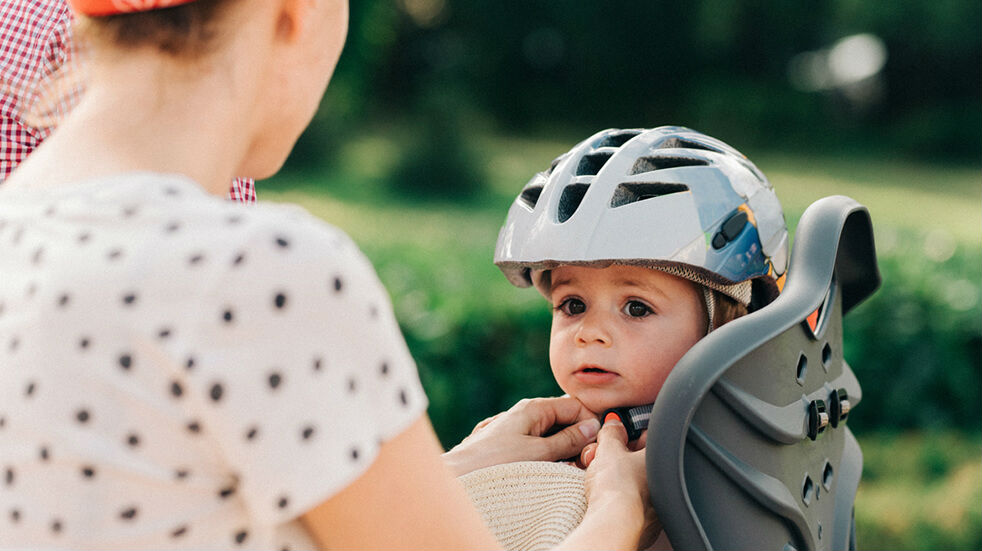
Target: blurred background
[441, 110]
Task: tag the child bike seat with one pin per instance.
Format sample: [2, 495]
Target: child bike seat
[747, 444]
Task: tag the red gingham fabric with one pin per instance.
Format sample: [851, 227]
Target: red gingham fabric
[35, 41]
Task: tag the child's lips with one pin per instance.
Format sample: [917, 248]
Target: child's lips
[594, 375]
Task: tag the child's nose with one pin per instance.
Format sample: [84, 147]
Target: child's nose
[593, 329]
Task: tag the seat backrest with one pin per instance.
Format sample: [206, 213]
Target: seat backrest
[747, 445]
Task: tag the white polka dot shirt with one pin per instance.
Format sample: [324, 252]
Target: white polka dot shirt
[179, 372]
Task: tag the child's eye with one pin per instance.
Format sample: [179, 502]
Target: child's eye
[637, 309]
[572, 306]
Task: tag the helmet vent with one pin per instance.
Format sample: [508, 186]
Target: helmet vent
[591, 163]
[530, 196]
[625, 194]
[648, 164]
[617, 139]
[570, 200]
[679, 143]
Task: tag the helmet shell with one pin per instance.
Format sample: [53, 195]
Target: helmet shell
[668, 195]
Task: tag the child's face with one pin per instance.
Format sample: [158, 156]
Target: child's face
[618, 331]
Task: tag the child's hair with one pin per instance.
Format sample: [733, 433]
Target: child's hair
[726, 309]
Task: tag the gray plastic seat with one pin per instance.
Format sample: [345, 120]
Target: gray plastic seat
[747, 445]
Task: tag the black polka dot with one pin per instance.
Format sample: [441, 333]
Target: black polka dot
[38, 256]
[196, 259]
[9, 476]
[129, 513]
[274, 380]
[44, 453]
[233, 220]
[3, 421]
[15, 516]
[82, 416]
[384, 369]
[403, 397]
[354, 454]
[32, 289]
[14, 343]
[176, 389]
[30, 388]
[252, 432]
[307, 432]
[239, 259]
[129, 299]
[241, 536]
[130, 211]
[338, 284]
[84, 237]
[56, 526]
[171, 191]
[181, 474]
[189, 364]
[283, 502]
[282, 242]
[226, 493]
[114, 254]
[84, 342]
[194, 427]
[318, 364]
[17, 236]
[125, 361]
[373, 312]
[88, 471]
[179, 531]
[279, 301]
[228, 316]
[63, 300]
[164, 332]
[352, 385]
[132, 439]
[216, 392]
[172, 227]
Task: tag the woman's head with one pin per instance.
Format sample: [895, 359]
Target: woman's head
[273, 59]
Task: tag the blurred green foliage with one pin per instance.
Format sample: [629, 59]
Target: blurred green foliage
[730, 69]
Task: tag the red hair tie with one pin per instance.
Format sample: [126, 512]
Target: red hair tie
[98, 8]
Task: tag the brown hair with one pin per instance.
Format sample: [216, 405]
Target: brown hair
[727, 309]
[187, 30]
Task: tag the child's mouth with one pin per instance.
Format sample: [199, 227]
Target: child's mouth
[594, 375]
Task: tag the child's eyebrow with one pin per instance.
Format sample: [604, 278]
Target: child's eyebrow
[641, 285]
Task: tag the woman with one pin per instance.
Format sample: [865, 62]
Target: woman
[148, 397]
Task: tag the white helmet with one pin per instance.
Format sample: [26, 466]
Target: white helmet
[668, 198]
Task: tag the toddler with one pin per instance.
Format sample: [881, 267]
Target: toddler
[643, 241]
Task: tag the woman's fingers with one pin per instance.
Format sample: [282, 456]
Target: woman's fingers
[569, 441]
[613, 435]
[587, 455]
[539, 415]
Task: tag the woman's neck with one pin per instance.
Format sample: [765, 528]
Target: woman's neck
[147, 112]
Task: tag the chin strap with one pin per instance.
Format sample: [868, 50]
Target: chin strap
[635, 419]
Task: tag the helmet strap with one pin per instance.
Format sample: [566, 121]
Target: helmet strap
[710, 299]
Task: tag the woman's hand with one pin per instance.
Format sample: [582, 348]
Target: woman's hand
[619, 512]
[518, 435]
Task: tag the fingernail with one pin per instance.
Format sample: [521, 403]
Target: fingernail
[612, 418]
[590, 428]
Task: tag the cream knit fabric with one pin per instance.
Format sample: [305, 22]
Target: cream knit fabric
[529, 504]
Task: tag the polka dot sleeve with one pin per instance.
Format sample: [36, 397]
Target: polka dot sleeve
[302, 372]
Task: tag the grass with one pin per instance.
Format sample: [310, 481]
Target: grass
[918, 491]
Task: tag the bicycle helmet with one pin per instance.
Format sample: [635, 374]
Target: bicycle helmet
[667, 198]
